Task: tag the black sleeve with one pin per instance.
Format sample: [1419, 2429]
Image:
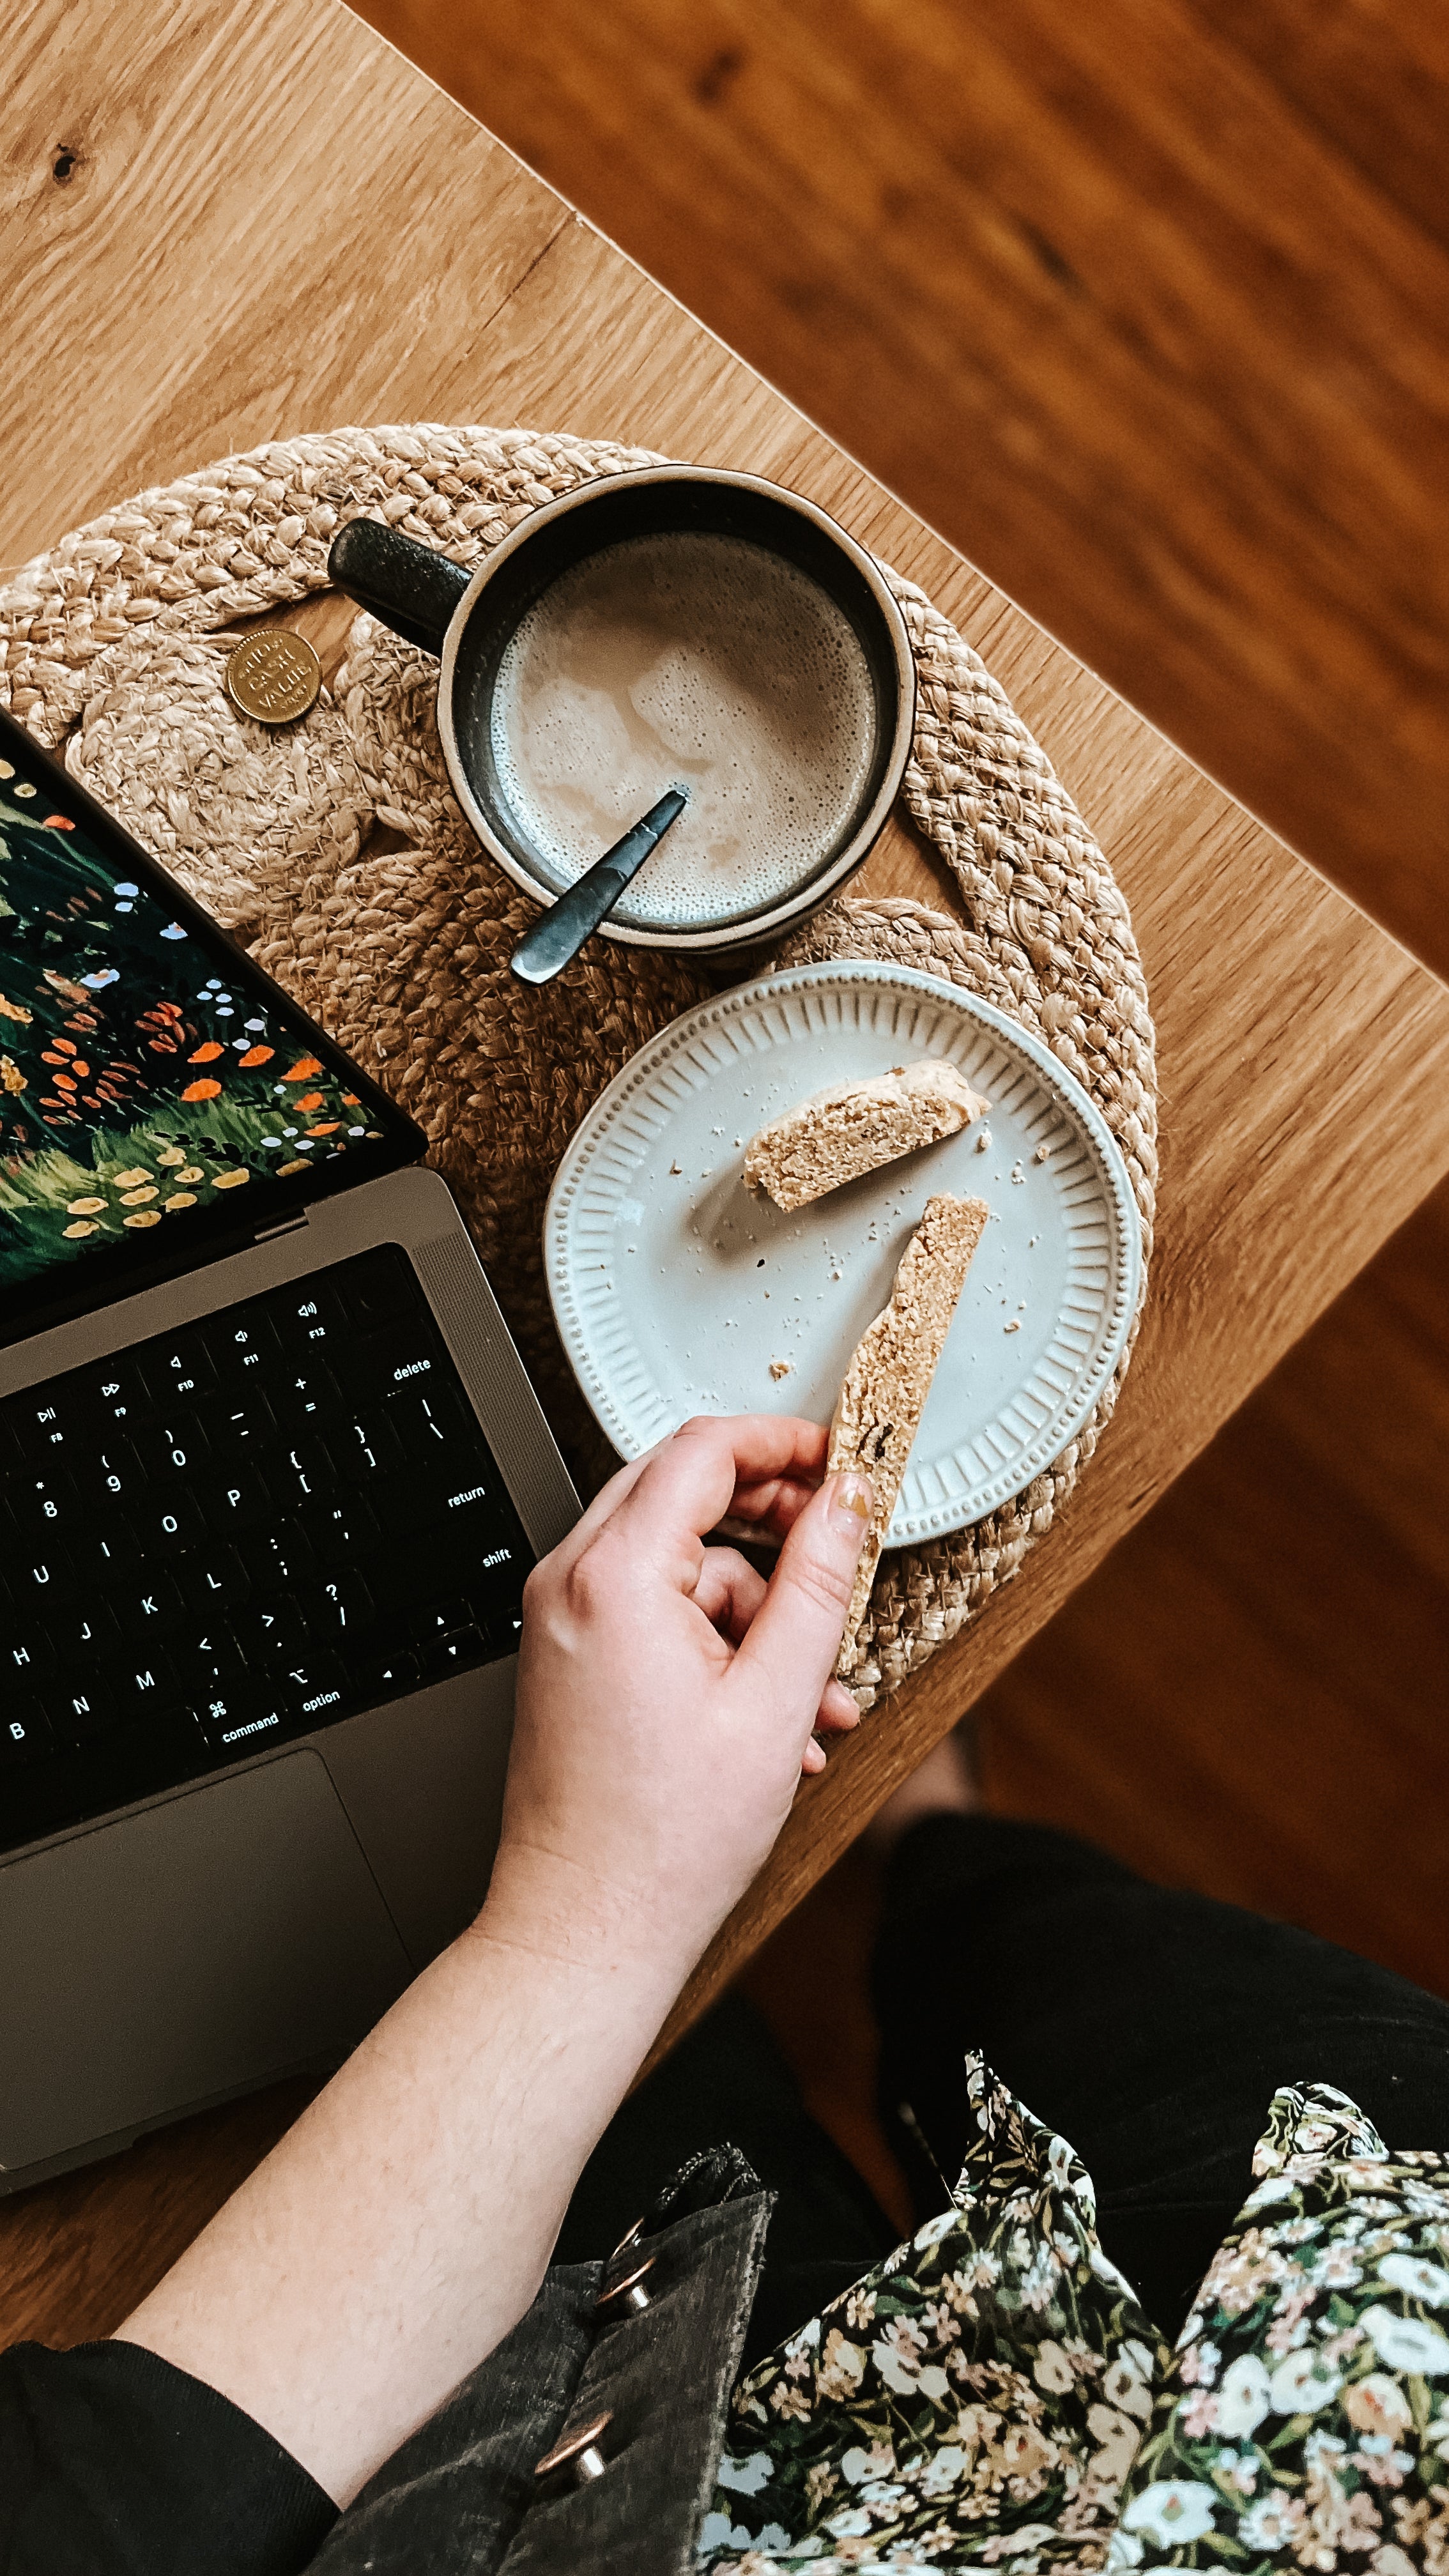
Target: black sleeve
[113, 2463]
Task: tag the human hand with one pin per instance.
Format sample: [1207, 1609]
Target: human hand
[668, 1697]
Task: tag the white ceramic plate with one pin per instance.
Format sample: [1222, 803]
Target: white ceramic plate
[675, 1288]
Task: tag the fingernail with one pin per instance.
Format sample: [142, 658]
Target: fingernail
[854, 1494]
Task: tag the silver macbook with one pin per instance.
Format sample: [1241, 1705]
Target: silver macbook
[271, 1479]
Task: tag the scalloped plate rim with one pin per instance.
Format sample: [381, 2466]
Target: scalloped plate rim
[917, 1527]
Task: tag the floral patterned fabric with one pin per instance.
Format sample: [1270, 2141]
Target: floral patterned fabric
[992, 2394]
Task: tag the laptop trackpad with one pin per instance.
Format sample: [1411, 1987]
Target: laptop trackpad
[168, 1958]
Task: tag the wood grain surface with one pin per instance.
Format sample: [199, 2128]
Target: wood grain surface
[1144, 305]
[1249, 1697]
[225, 222]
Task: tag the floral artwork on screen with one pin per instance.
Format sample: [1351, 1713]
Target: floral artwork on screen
[138, 1079]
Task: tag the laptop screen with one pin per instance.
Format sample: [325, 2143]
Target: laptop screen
[159, 1094]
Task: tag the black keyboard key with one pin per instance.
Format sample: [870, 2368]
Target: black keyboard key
[25, 1735]
[78, 1715]
[345, 1531]
[306, 1477]
[38, 1582]
[143, 1683]
[456, 1652]
[278, 1560]
[84, 1629]
[167, 1524]
[244, 1425]
[202, 1665]
[431, 1424]
[302, 1398]
[384, 1664]
[267, 1630]
[401, 1504]
[369, 1444]
[245, 1351]
[114, 1551]
[43, 1426]
[232, 1710]
[153, 1610]
[236, 1500]
[340, 1608]
[384, 1293]
[437, 1619]
[170, 1448]
[308, 1327]
[24, 1658]
[120, 1397]
[213, 1581]
[43, 1509]
[311, 1686]
[111, 1476]
[378, 1364]
[179, 1373]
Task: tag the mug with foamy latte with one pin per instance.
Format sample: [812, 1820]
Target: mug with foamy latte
[666, 628]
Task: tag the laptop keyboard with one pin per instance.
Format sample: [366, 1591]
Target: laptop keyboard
[273, 1518]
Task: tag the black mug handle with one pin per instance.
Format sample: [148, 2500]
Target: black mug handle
[412, 588]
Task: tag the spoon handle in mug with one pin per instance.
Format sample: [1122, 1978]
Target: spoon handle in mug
[559, 934]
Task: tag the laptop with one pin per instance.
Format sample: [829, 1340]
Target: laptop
[271, 1479]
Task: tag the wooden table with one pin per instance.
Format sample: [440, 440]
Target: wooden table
[238, 219]
[1144, 305]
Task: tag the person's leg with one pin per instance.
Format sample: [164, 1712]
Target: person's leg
[1149, 2026]
[727, 2081]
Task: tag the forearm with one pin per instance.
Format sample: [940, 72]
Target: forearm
[666, 1701]
[403, 2226]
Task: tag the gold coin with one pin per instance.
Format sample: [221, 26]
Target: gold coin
[273, 675]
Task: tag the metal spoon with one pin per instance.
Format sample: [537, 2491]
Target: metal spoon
[559, 934]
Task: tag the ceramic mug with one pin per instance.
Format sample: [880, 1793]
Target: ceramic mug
[470, 619]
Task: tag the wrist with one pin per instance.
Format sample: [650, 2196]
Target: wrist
[595, 1945]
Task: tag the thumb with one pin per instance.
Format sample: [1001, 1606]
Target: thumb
[794, 1637]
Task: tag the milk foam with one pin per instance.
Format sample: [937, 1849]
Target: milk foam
[690, 660]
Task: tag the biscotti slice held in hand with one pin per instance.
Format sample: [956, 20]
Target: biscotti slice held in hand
[889, 1378]
[836, 1135]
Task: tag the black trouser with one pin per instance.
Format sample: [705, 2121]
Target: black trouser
[1149, 2026]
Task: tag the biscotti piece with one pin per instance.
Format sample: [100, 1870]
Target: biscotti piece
[889, 1378]
[836, 1135]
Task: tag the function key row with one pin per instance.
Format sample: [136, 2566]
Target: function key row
[218, 1381]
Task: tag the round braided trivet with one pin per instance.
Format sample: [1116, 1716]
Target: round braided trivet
[337, 851]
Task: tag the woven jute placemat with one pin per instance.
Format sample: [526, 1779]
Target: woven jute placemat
[336, 850]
